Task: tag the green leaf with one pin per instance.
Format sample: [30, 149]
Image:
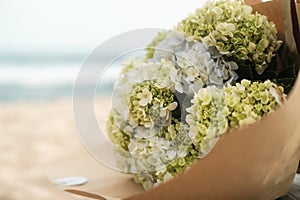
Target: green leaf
[267, 75]
[245, 71]
[288, 72]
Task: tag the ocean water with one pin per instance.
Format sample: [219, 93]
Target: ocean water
[39, 80]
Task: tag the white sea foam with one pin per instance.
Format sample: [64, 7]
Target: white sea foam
[45, 80]
[48, 74]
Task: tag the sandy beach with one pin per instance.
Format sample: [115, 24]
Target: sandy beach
[32, 134]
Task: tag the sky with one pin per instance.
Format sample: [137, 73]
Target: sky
[79, 26]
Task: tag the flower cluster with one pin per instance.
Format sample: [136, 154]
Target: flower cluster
[170, 107]
[235, 31]
[150, 105]
[141, 90]
[197, 65]
[155, 152]
[215, 111]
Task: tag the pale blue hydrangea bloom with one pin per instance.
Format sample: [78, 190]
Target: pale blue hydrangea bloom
[197, 65]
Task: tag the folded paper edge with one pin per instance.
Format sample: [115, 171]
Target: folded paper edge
[85, 194]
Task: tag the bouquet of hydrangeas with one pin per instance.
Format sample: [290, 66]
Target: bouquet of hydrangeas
[215, 72]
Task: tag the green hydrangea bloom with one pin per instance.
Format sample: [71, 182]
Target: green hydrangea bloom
[215, 111]
[235, 31]
[248, 102]
[116, 135]
[207, 118]
[130, 64]
[150, 48]
[150, 104]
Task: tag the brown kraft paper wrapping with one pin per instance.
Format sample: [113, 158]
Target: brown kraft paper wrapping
[257, 162]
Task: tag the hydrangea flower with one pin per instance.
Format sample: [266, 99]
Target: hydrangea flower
[214, 111]
[150, 105]
[150, 48]
[235, 31]
[131, 63]
[196, 65]
[207, 118]
[155, 158]
[140, 72]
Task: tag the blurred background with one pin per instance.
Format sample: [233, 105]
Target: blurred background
[42, 47]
